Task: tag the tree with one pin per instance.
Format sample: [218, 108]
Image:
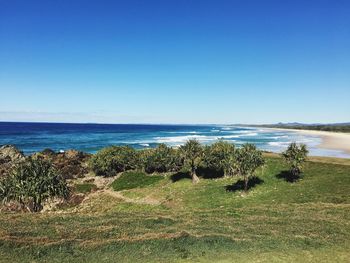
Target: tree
[295, 156]
[31, 183]
[192, 152]
[114, 159]
[249, 158]
[221, 156]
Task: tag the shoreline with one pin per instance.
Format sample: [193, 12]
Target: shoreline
[330, 140]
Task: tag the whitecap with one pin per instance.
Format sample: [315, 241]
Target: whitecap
[251, 134]
[185, 132]
[279, 137]
[278, 143]
[182, 139]
[230, 136]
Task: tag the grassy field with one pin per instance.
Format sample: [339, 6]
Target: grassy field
[307, 220]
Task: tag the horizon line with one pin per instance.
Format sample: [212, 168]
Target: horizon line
[186, 124]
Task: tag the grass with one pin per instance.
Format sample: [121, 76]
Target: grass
[278, 221]
[130, 180]
[84, 188]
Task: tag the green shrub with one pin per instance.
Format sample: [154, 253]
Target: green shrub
[31, 183]
[221, 156]
[129, 180]
[143, 157]
[85, 188]
[162, 159]
[114, 159]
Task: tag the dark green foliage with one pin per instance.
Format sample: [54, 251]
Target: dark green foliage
[143, 157]
[295, 156]
[130, 180]
[192, 153]
[85, 188]
[249, 158]
[345, 127]
[162, 159]
[221, 156]
[31, 183]
[114, 159]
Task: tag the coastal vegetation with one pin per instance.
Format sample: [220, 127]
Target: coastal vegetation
[221, 155]
[341, 127]
[249, 159]
[159, 215]
[31, 183]
[114, 159]
[160, 159]
[295, 156]
[192, 152]
[35, 180]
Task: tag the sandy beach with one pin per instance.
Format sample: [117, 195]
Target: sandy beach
[330, 140]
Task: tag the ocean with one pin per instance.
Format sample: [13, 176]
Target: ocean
[34, 137]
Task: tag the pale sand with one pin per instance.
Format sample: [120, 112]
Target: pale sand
[330, 140]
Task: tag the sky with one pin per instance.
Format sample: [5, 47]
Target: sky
[175, 61]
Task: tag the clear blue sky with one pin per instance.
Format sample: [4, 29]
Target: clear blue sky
[175, 61]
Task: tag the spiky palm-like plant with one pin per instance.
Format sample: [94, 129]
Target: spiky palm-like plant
[114, 159]
[221, 156]
[162, 159]
[192, 152]
[296, 156]
[249, 158]
[31, 183]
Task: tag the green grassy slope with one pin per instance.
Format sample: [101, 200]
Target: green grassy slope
[304, 221]
[129, 180]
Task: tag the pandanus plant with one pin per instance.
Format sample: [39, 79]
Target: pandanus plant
[162, 159]
[221, 156]
[192, 153]
[295, 156]
[249, 159]
[31, 183]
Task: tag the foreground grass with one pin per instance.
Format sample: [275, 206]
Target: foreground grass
[302, 221]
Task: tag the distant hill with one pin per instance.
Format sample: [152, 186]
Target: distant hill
[333, 127]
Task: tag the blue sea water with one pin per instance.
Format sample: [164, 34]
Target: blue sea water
[33, 137]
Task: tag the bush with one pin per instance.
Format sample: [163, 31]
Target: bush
[130, 180]
[221, 156]
[162, 159]
[31, 183]
[114, 159]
